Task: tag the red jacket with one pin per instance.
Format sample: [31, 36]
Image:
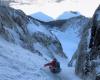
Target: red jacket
[51, 64]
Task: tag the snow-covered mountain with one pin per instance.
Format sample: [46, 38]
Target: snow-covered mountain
[36, 41]
[70, 23]
[41, 16]
[68, 15]
[26, 44]
[73, 25]
[28, 32]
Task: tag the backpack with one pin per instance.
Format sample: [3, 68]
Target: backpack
[57, 65]
[58, 69]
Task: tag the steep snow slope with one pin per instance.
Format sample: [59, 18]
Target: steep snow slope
[17, 63]
[69, 34]
[69, 41]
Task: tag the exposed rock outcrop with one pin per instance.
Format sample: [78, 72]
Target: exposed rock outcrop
[88, 60]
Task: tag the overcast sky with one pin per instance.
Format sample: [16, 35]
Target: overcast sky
[54, 9]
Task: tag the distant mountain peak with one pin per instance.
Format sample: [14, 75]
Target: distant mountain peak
[41, 16]
[68, 15]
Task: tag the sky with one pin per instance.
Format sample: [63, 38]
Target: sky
[54, 9]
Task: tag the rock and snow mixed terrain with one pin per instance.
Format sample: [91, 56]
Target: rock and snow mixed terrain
[28, 42]
[88, 58]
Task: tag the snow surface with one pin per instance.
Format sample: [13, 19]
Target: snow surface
[45, 52]
[69, 41]
[14, 35]
[17, 63]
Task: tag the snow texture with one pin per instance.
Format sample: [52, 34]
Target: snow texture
[68, 40]
[17, 63]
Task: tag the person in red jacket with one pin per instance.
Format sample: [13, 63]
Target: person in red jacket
[54, 66]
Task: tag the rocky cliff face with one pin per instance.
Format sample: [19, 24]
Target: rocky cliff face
[82, 52]
[88, 54]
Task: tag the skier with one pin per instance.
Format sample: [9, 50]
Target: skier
[54, 66]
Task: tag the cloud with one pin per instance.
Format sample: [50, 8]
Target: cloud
[54, 9]
[59, 1]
